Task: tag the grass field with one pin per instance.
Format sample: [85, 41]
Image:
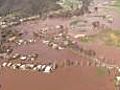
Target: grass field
[109, 37]
[117, 4]
[101, 71]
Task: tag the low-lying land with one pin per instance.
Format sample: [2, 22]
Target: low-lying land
[68, 52]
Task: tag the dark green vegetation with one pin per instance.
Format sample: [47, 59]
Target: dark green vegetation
[111, 37]
[117, 4]
[108, 37]
[26, 7]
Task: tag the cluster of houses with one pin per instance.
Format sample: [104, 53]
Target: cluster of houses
[59, 43]
[29, 57]
[20, 41]
[24, 42]
[52, 45]
[44, 68]
[9, 23]
[55, 37]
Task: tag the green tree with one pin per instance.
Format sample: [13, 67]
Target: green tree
[82, 5]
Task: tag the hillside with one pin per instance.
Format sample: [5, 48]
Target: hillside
[26, 7]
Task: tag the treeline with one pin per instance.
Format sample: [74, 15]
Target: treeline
[26, 7]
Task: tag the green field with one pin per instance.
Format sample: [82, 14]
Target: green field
[101, 71]
[109, 37]
[117, 4]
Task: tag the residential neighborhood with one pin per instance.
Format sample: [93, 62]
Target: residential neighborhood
[59, 45]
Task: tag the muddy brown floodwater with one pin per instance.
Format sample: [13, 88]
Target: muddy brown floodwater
[81, 77]
[75, 78]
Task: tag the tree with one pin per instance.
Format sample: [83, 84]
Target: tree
[85, 6]
[26, 7]
[81, 5]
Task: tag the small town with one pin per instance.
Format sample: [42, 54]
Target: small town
[70, 45]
